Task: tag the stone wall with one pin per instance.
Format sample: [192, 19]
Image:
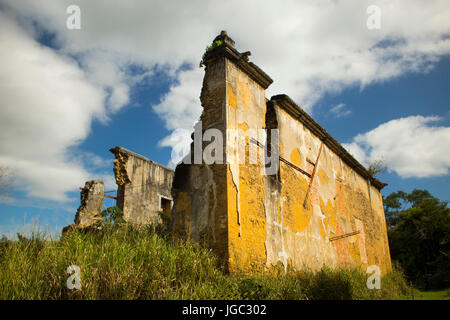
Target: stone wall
[144, 187]
[91, 204]
[295, 217]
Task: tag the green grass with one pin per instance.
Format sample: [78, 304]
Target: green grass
[125, 263]
[427, 295]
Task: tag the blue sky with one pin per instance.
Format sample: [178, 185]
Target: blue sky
[129, 77]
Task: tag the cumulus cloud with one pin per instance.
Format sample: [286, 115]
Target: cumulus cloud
[308, 48]
[47, 105]
[180, 107]
[412, 147]
[340, 110]
[102, 70]
[179, 140]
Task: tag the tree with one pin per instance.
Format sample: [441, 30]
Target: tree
[376, 167]
[393, 204]
[419, 236]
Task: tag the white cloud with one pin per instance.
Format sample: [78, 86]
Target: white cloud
[308, 48]
[95, 162]
[179, 140]
[340, 110]
[47, 105]
[181, 107]
[411, 146]
[102, 69]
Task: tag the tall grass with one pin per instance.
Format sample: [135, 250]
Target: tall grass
[125, 263]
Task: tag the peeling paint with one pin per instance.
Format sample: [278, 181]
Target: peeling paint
[232, 99]
[252, 220]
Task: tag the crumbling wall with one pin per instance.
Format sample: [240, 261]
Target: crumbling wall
[199, 192]
[144, 187]
[330, 200]
[320, 208]
[200, 206]
[91, 204]
[214, 203]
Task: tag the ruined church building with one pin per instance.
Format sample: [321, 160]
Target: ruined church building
[322, 207]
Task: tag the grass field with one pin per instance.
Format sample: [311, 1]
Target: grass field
[124, 263]
[427, 295]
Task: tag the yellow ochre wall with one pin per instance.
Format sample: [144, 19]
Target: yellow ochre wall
[338, 203]
[245, 110]
[252, 220]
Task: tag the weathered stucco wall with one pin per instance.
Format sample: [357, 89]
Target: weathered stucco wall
[199, 190]
[213, 203]
[144, 186]
[338, 203]
[245, 111]
[254, 220]
[91, 204]
[200, 206]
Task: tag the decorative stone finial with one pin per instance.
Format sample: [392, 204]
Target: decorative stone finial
[223, 36]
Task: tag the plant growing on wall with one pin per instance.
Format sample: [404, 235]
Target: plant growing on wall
[112, 215]
[215, 44]
[377, 167]
[164, 217]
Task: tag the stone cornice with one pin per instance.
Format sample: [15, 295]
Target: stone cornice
[227, 50]
[295, 111]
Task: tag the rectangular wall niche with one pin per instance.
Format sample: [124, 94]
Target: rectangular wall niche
[165, 205]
